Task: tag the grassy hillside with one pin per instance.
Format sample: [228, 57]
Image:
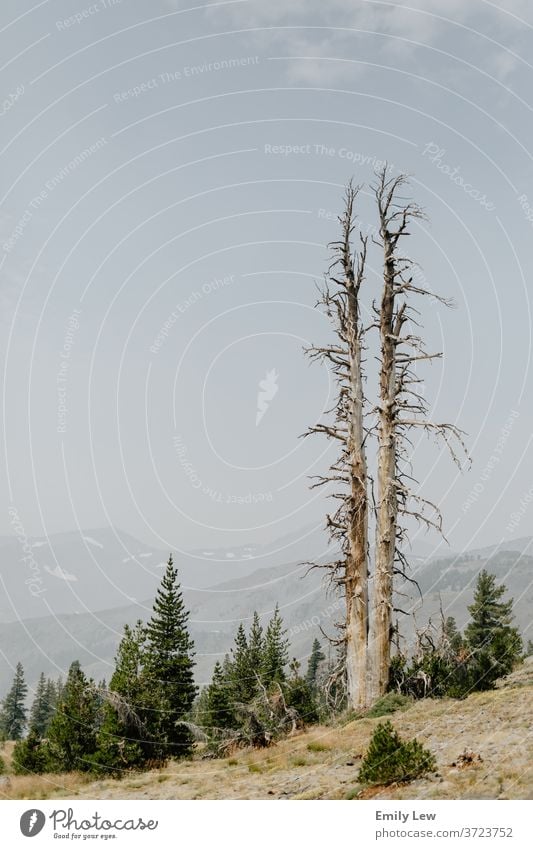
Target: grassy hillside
[323, 762]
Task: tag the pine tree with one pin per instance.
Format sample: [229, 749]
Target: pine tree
[43, 706]
[276, 654]
[453, 635]
[218, 705]
[315, 659]
[52, 697]
[494, 644]
[243, 683]
[13, 712]
[120, 741]
[72, 731]
[256, 645]
[127, 676]
[59, 688]
[390, 759]
[246, 663]
[299, 695]
[30, 755]
[168, 663]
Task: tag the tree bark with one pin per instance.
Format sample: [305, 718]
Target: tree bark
[401, 409]
[349, 524]
[357, 561]
[387, 500]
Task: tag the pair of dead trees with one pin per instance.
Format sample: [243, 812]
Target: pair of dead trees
[400, 410]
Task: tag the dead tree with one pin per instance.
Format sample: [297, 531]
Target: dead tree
[348, 524]
[401, 410]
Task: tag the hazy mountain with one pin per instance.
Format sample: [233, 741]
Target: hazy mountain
[80, 572]
[51, 642]
[451, 580]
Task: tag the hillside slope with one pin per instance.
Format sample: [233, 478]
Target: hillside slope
[323, 762]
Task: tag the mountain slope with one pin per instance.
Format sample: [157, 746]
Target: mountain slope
[323, 762]
[80, 572]
[50, 643]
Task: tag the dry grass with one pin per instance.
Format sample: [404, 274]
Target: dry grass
[323, 763]
[66, 785]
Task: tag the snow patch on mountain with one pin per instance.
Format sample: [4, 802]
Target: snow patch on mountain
[60, 573]
[93, 541]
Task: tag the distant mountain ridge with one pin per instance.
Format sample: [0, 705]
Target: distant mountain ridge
[79, 572]
[50, 641]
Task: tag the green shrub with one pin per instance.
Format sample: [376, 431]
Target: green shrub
[300, 697]
[389, 703]
[316, 746]
[448, 663]
[2, 766]
[390, 759]
[71, 739]
[30, 756]
[494, 645]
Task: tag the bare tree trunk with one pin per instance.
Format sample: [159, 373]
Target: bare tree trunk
[349, 524]
[357, 562]
[387, 502]
[401, 409]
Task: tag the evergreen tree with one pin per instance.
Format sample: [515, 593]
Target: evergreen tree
[127, 676]
[453, 635]
[168, 664]
[276, 651]
[43, 706]
[315, 659]
[51, 695]
[298, 694]
[218, 705]
[390, 759]
[72, 731]
[243, 683]
[59, 688]
[495, 646]
[120, 741]
[13, 711]
[256, 645]
[30, 755]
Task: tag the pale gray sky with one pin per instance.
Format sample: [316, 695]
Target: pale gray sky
[170, 176]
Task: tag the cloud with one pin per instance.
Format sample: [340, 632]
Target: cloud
[398, 15]
[394, 27]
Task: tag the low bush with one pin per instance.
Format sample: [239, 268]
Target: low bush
[316, 746]
[30, 756]
[390, 759]
[389, 703]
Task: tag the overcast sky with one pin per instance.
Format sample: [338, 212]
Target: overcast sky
[170, 180]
